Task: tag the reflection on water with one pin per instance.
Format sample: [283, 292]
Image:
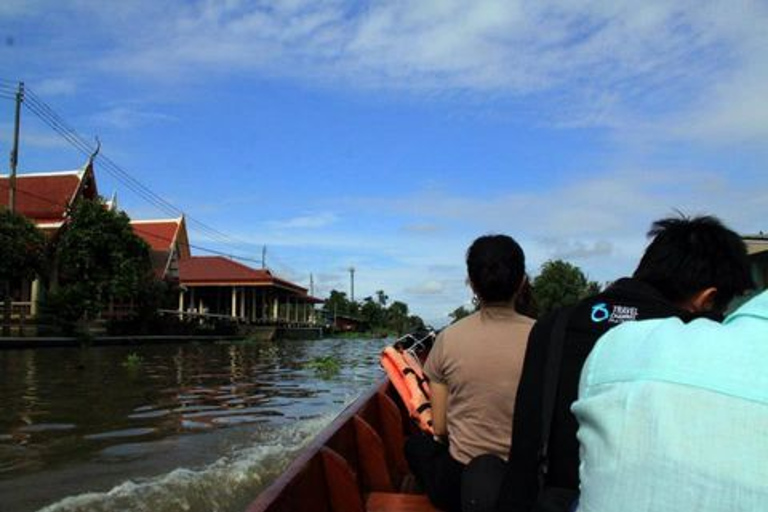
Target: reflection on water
[188, 427]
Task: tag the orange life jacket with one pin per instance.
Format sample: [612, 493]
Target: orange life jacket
[406, 374]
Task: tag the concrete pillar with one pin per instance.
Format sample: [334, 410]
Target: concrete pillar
[274, 308]
[242, 303]
[34, 297]
[181, 304]
[234, 302]
[288, 309]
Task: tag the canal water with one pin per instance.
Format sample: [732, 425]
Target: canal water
[192, 427]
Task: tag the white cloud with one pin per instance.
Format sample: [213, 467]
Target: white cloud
[33, 138]
[432, 287]
[56, 87]
[596, 221]
[580, 250]
[313, 221]
[683, 69]
[125, 117]
[422, 228]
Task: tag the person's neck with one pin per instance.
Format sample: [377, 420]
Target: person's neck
[498, 304]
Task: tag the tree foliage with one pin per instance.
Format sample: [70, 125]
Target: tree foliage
[22, 248]
[561, 284]
[99, 258]
[22, 255]
[337, 303]
[397, 317]
[373, 312]
[459, 313]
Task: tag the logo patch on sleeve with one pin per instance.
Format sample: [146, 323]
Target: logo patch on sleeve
[616, 314]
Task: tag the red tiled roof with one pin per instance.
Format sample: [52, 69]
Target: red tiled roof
[217, 270]
[160, 234]
[45, 197]
[42, 198]
[166, 237]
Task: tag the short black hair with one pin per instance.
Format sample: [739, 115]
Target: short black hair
[688, 255]
[496, 267]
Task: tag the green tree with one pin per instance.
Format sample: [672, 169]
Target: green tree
[99, 258]
[336, 303]
[22, 250]
[397, 317]
[561, 284]
[373, 314]
[415, 323]
[382, 298]
[459, 313]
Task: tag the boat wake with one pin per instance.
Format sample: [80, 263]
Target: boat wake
[226, 485]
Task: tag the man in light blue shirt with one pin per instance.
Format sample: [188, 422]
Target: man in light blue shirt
[674, 417]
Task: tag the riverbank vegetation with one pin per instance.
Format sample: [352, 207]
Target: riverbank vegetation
[373, 316]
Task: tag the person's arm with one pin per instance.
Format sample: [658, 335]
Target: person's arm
[439, 408]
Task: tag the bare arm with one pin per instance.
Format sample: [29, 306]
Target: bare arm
[439, 408]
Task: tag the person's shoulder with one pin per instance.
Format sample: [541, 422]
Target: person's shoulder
[635, 332]
[463, 323]
[526, 320]
[756, 307]
[624, 349]
[458, 329]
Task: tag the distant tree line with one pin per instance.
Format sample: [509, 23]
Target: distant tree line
[558, 284]
[373, 314]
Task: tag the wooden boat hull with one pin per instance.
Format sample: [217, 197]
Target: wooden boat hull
[356, 464]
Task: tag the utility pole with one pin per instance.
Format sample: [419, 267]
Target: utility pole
[311, 285]
[264, 256]
[352, 284]
[15, 150]
[7, 302]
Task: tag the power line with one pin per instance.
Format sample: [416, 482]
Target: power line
[50, 117]
[137, 229]
[44, 112]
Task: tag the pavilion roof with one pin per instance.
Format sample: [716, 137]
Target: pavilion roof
[221, 271]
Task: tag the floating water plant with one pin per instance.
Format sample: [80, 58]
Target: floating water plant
[133, 361]
[325, 366]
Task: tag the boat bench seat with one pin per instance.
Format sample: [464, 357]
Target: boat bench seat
[344, 482]
[396, 502]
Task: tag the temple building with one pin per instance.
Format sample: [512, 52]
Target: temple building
[169, 243]
[45, 199]
[208, 286]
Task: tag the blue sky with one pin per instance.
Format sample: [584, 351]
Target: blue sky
[387, 135]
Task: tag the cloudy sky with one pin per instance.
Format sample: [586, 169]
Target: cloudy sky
[386, 135]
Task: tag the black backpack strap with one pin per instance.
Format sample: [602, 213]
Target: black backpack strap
[551, 380]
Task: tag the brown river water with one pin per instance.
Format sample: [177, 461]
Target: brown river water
[193, 427]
